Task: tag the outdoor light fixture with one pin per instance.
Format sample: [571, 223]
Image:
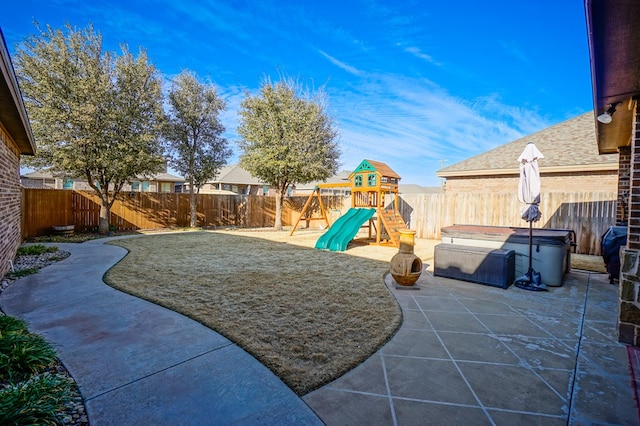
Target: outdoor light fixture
[605, 117]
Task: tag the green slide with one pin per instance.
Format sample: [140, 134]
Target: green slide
[344, 229]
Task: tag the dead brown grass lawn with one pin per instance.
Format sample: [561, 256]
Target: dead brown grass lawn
[308, 315]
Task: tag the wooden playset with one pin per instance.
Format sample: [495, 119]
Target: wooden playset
[370, 182]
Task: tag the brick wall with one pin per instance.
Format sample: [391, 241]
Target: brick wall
[10, 198]
[568, 182]
[629, 313]
[624, 174]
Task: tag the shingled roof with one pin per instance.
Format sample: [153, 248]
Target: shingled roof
[235, 174]
[567, 147]
[378, 166]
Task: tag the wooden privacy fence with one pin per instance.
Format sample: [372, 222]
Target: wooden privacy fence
[589, 214]
[42, 209]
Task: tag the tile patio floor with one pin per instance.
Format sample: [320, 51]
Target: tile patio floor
[479, 355]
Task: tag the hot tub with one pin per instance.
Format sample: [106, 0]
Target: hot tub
[551, 247]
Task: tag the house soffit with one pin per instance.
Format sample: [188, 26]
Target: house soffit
[614, 48]
[13, 114]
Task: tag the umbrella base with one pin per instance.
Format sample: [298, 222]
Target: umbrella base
[530, 281]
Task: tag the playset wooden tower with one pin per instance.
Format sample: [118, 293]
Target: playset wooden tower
[370, 182]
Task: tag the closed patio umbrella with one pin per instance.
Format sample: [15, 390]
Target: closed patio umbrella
[529, 194]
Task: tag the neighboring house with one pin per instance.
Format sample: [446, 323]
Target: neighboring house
[412, 188]
[613, 33]
[571, 162]
[233, 179]
[41, 180]
[162, 182]
[340, 177]
[16, 139]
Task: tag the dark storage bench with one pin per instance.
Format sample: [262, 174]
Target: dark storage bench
[482, 265]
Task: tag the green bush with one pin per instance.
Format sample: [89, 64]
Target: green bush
[36, 401]
[22, 354]
[36, 249]
[29, 394]
[12, 325]
[19, 273]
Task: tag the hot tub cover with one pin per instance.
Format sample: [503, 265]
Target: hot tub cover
[509, 234]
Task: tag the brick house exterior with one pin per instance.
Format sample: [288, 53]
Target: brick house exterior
[16, 139]
[571, 162]
[613, 31]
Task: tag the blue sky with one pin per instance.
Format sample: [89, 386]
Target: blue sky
[415, 84]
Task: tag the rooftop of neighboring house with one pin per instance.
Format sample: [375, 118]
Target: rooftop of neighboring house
[47, 174]
[167, 177]
[568, 146]
[38, 174]
[234, 174]
[340, 177]
[411, 188]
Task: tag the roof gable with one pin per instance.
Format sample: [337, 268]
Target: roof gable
[167, 177]
[375, 166]
[569, 145]
[235, 174]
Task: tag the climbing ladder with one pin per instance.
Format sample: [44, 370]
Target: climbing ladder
[393, 223]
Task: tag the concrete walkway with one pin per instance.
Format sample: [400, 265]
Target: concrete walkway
[137, 363]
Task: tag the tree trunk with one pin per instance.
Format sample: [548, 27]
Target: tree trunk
[193, 204]
[103, 223]
[279, 202]
[193, 207]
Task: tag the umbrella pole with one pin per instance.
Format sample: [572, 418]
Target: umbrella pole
[530, 250]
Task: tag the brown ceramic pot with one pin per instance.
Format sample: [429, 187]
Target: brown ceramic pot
[406, 267]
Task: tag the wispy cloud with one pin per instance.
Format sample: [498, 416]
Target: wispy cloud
[233, 97]
[419, 54]
[514, 50]
[413, 125]
[391, 114]
[341, 65]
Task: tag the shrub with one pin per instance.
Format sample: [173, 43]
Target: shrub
[36, 401]
[12, 325]
[19, 273]
[35, 250]
[22, 353]
[29, 395]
